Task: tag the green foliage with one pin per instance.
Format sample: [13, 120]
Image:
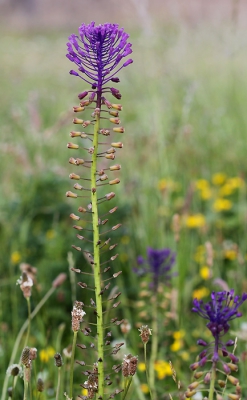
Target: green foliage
[184, 113]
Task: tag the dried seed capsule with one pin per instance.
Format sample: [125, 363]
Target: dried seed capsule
[75, 134]
[40, 385]
[71, 194]
[118, 145]
[78, 121]
[116, 167]
[25, 357]
[119, 129]
[73, 146]
[78, 109]
[118, 107]
[115, 121]
[58, 360]
[114, 181]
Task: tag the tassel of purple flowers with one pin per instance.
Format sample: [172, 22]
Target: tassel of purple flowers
[99, 53]
[222, 309]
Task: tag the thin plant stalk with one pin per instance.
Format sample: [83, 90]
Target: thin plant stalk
[25, 397]
[59, 384]
[154, 348]
[146, 367]
[21, 332]
[97, 278]
[28, 321]
[212, 383]
[127, 384]
[71, 376]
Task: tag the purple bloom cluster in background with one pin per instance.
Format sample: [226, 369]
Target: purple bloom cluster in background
[158, 264]
[98, 52]
[222, 308]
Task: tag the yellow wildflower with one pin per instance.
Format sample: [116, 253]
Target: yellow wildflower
[236, 182]
[230, 254]
[84, 392]
[178, 334]
[162, 368]
[219, 178]
[202, 184]
[50, 234]
[200, 293]
[195, 221]
[206, 194]
[222, 205]
[205, 272]
[144, 388]
[46, 354]
[141, 366]
[15, 257]
[226, 190]
[177, 345]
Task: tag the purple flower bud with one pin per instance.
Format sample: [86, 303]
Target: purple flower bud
[72, 72]
[226, 369]
[82, 95]
[201, 342]
[130, 61]
[233, 358]
[229, 343]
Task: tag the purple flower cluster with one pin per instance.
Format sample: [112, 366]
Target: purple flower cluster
[222, 308]
[98, 52]
[158, 264]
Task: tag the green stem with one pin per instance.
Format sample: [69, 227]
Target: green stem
[127, 384]
[97, 278]
[146, 366]
[154, 349]
[28, 320]
[25, 386]
[59, 383]
[20, 334]
[71, 375]
[212, 383]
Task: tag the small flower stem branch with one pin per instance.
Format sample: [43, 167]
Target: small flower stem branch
[154, 349]
[71, 375]
[97, 278]
[20, 334]
[59, 383]
[25, 397]
[146, 365]
[212, 383]
[127, 386]
[28, 321]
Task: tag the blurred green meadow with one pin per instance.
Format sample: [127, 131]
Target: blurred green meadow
[183, 186]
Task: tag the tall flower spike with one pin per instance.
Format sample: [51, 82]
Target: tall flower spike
[223, 308]
[99, 53]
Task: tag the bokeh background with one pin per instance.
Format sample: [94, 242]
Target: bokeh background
[183, 177]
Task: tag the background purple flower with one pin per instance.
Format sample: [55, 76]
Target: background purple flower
[158, 264]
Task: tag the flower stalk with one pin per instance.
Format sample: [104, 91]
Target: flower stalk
[97, 276]
[98, 53]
